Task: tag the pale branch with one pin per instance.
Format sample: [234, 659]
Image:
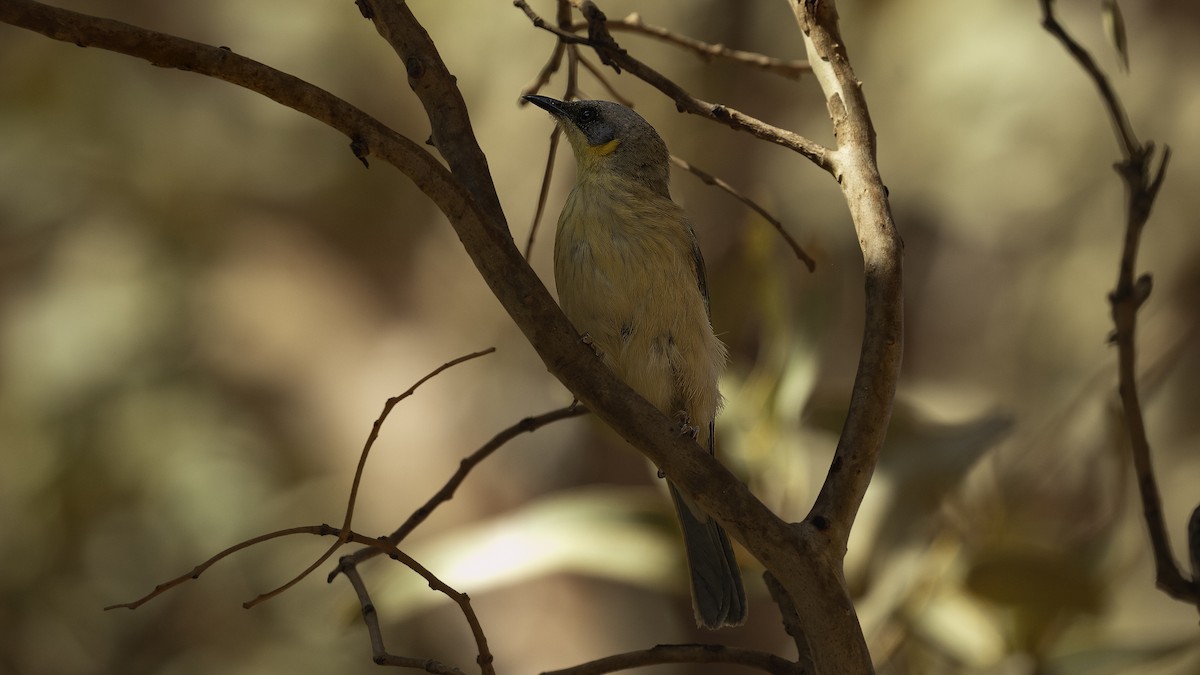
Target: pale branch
[612, 54]
[693, 653]
[526, 425]
[709, 179]
[634, 24]
[866, 196]
[790, 619]
[1142, 182]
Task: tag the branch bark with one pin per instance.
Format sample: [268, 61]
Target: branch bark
[854, 166]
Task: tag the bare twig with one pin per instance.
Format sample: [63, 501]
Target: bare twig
[358, 473]
[634, 24]
[319, 530]
[484, 657]
[468, 463]
[661, 654]
[1142, 182]
[712, 180]
[379, 652]
[608, 86]
[544, 191]
[611, 54]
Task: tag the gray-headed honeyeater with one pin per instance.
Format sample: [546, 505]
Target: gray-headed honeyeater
[630, 277]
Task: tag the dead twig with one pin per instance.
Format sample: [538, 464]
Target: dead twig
[1142, 181]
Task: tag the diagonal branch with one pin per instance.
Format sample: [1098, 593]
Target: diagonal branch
[709, 179]
[634, 24]
[612, 54]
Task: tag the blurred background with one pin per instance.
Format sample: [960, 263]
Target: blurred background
[205, 300]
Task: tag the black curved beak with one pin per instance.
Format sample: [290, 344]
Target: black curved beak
[550, 105]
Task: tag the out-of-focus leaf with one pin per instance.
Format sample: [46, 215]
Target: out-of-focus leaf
[1036, 580]
[1114, 30]
[605, 532]
[1121, 659]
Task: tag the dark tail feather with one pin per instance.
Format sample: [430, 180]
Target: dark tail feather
[717, 594]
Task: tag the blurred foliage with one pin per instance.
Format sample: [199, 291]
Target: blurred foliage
[205, 299]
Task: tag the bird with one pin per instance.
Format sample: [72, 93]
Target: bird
[630, 277]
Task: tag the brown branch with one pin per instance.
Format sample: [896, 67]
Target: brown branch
[484, 657]
[438, 92]
[608, 86]
[526, 425]
[634, 24]
[1142, 182]
[712, 180]
[790, 619]
[543, 77]
[544, 191]
[694, 653]
[319, 530]
[610, 53]
[379, 652]
[343, 537]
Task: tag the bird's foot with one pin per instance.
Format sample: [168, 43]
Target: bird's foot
[685, 426]
[586, 339]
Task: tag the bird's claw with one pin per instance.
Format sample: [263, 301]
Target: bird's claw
[685, 426]
[586, 339]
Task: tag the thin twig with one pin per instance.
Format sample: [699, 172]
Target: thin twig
[1141, 189]
[468, 463]
[544, 191]
[712, 180]
[693, 653]
[613, 55]
[782, 67]
[319, 530]
[608, 86]
[379, 652]
[381, 544]
[543, 77]
[358, 473]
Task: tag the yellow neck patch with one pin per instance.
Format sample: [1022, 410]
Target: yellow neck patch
[605, 149]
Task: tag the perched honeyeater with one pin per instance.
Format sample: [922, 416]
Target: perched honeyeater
[631, 278]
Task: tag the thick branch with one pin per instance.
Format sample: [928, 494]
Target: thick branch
[879, 362]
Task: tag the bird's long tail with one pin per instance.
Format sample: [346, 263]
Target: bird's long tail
[717, 594]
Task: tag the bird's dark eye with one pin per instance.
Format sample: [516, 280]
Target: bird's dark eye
[587, 115]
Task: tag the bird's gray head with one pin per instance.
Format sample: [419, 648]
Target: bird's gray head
[609, 137]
